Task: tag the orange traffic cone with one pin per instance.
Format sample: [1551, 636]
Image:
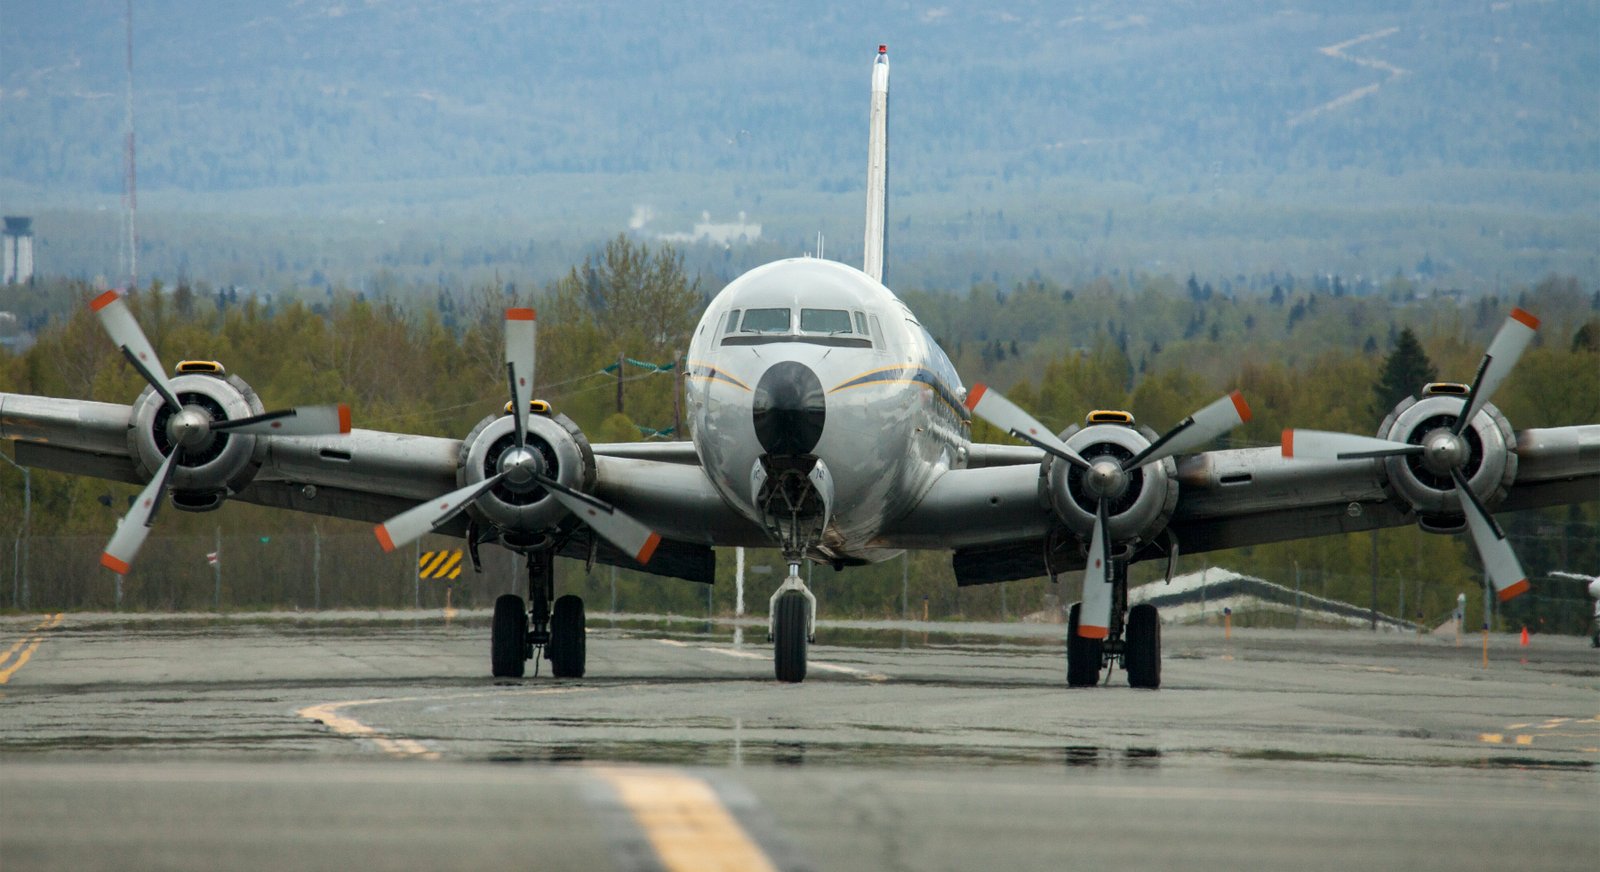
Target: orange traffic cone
[1524, 637]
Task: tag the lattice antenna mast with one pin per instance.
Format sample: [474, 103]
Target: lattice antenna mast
[130, 175]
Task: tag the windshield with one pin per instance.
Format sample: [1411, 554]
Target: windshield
[828, 321]
[765, 321]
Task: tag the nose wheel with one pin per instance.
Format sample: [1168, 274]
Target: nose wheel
[793, 626]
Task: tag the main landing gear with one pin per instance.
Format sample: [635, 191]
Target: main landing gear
[792, 626]
[517, 634]
[1134, 643]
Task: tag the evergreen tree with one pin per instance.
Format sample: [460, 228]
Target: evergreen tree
[1405, 371]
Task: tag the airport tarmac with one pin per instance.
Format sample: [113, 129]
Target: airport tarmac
[360, 741]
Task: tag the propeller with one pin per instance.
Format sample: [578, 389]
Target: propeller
[1106, 477]
[522, 469]
[135, 526]
[188, 426]
[1446, 451]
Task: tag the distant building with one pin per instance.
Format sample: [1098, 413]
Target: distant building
[18, 244]
[722, 234]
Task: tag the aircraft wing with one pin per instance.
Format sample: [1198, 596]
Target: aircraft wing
[1001, 527]
[372, 475]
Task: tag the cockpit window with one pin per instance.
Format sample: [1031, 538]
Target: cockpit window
[861, 323]
[765, 321]
[829, 321]
[733, 322]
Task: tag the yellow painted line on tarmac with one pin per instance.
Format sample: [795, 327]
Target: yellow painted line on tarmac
[1491, 738]
[687, 825]
[26, 645]
[332, 716]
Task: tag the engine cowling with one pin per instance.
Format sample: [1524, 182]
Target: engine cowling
[525, 514]
[1482, 455]
[219, 464]
[1139, 502]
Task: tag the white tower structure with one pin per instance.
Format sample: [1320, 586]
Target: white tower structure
[18, 246]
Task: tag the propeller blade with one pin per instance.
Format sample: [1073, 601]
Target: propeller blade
[1502, 355]
[1008, 416]
[633, 538]
[303, 421]
[1505, 572]
[1094, 616]
[1195, 430]
[415, 522]
[521, 333]
[125, 332]
[135, 525]
[1322, 445]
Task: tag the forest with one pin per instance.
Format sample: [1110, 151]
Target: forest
[1306, 352]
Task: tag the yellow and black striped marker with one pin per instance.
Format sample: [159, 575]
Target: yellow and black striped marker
[442, 565]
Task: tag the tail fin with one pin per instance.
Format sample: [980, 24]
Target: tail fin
[878, 166]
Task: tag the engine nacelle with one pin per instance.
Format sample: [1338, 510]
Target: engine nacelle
[1423, 481]
[217, 465]
[525, 515]
[1138, 506]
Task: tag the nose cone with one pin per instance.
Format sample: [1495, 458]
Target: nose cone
[789, 409]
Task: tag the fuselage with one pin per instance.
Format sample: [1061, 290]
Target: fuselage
[812, 357]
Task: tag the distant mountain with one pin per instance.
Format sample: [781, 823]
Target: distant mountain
[346, 103]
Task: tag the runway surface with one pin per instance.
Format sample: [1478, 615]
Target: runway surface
[354, 741]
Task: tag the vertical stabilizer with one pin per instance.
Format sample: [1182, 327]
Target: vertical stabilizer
[878, 166]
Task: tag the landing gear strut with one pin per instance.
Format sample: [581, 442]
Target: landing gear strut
[517, 635]
[1135, 644]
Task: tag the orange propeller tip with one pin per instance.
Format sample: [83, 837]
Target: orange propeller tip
[1288, 443]
[1242, 406]
[1513, 591]
[382, 533]
[649, 549]
[120, 567]
[1526, 317]
[344, 417]
[974, 395]
[103, 300]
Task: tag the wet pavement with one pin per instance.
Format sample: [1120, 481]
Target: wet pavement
[373, 741]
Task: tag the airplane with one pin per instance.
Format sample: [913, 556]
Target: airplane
[826, 422]
[1592, 583]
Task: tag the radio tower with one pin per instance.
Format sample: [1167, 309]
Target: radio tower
[130, 179]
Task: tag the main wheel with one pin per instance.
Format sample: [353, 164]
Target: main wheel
[508, 638]
[789, 640]
[567, 647]
[1142, 656]
[1083, 655]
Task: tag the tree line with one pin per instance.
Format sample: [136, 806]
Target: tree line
[1305, 353]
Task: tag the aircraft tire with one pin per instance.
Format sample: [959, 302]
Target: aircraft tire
[789, 638]
[567, 649]
[1083, 655]
[1143, 652]
[508, 637]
